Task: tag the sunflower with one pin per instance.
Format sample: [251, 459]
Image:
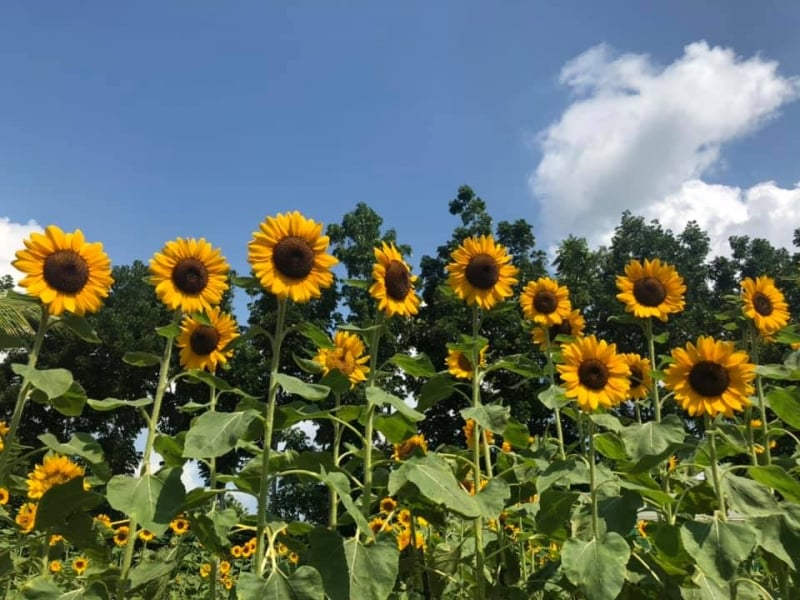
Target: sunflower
[146, 535]
[179, 526]
[573, 325]
[236, 551]
[121, 534]
[469, 428]
[765, 304]
[55, 566]
[710, 378]
[641, 380]
[65, 272]
[3, 496]
[203, 344]
[190, 275]
[459, 365]
[224, 567]
[481, 272]
[388, 504]
[205, 570]
[26, 517]
[651, 290]
[545, 302]
[104, 520]
[394, 284]
[288, 257]
[80, 564]
[54, 470]
[594, 374]
[408, 448]
[346, 356]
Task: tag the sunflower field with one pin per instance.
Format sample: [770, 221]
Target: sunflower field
[554, 442]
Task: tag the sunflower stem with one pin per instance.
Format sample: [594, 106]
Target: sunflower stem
[593, 483]
[760, 394]
[24, 392]
[551, 380]
[333, 497]
[651, 346]
[269, 417]
[152, 425]
[366, 495]
[711, 431]
[476, 455]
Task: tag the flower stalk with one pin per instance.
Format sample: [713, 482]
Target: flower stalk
[476, 454]
[366, 495]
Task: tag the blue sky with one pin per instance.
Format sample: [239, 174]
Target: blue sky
[141, 122]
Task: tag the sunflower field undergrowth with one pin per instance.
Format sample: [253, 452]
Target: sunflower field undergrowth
[667, 473]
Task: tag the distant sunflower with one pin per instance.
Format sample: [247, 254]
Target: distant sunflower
[545, 302]
[54, 470]
[4, 496]
[573, 325]
[765, 304]
[203, 345]
[146, 535]
[481, 272]
[189, 274]
[651, 290]
[459, 365]
[121, 535]
[26, 517]
[288, 257]
[641, 380]
[80, 564]
[406, 449]
[179, 526]
[65, 272]
[710, 378]
[346, 356]
[594, 374]
[394, 284]
[54, 566]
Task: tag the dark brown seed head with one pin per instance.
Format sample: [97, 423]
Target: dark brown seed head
[66, 271]
[293, 257]
[636, 377]
[482, 271]
[397, 280]
[204, 340]
[593, 373]
[762, 304]
[649, 291]
[190, 276]
[545, 302]
[709, 379]
[464, 363]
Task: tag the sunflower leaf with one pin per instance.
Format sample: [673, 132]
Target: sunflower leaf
[80, 327]
[53, 382]
[718, 547]
[416, 366]
[437, 388]
[153, 500]
[597, 567]
[309, 391]
[114, 403]
[214, 434]
[170, 331]
[785, 402]
[141, 359]
[378, 397]
[317, 336]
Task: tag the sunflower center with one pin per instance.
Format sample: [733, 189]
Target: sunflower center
[482, 272]
[593, 373]
[545, 302]
[709, 379]
[649, 291]
[204, 340]
[762, 304]
[293, 257]
[464, 363]
[66, 271]
[636, 377]
[563, 328]
[397, 280]
[342, 360]
[190, 276]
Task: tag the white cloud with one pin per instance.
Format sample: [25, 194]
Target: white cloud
[638, 137]
[11, 238]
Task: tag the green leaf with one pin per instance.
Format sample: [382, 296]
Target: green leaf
[252, 587]
[71, 403]
[516, 434]
[416, 366]
[653, 439]
[718, 547]
[114, 403]
[170, 448]
[555, 509]
[606, 421]
[775, 477]
[213, 529]
[620, 511]
[596, 567]
[80, 327]
[553, 397]
[492, 499]
[785, 402]
[306, 583]
[327, 556]
[153, 500]
[521, 364]
[564, 472]
[141, 359]
[775, 535]
[64, 510]
[610, 445]
[53, 382]
[317, 336]
[434, 390]
[372, 570]
[341, 485]
[149, 570]
[435, 480]
[40, 588]
[309, 391]
[395, 427]
[170, 331]
[748, 497]
[377, 397]
[492, 417]
[83, 445]
[213, 434]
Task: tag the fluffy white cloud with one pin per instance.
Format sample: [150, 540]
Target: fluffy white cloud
[638, 137]
[11, 237]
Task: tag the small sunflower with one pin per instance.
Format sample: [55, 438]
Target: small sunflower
[573, 325]
[346, 356]
[545, 302]
[388, 504]
[394, 284]
[54, 566]
[294, 558]
[710, 378]
[469, 428]
[459, 364]
[146, 535]
[121, 535]
[765, 304]
[288, 257]
[179, 526]
[641, 380]
[236, 551]
[205, 570]
[481, 272]
[594, 374]
[641, 527]
[3, 496]
[65, 272]
[26, 517]
[104, 520]
[408, 448]
[80, 564]
[224, 567]
[189, 274]
[54, 470]
[203, 345]
[651, 290]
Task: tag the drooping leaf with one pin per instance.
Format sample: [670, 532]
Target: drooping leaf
[493, 417]
[213, 434]
[309, 391]
[653, 439]
[416, 366]
[306, 583]
[785, 402]
[596, 567]
[52, 382]
[114, 403]
[141, 359]
[377, 397]
[435, 389]
[492, 498]
[372, 569]
[718, 547]
[153, 500]
[327, 556]
[775, 477]
[434, 479]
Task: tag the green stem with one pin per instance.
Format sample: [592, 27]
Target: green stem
[333, 497]
[762, 405]
[366, 495]
[24, 392]
[476, 455]
[712, 452]
[152, 430]
[269, 417]
[651, 345]
[551, 380]
[593, 483]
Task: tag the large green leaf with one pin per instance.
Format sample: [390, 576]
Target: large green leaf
[416, 366]
[306, 583]
[153, 500]
[309, 391]
[774, 535]
[435, 389]
[555, 509]
[327, 556]
[785, 402]
[775, 477]
[83, 445]
[718, 547]
[80, 327]
[252, 587]
[213, 434]
[620, 511]
[563, 472]
[492, 498]
[652, 438]
[372, 569]
[52, 382]
[148, 570]
[748, 497]
[436, 482]
[596, 567]
[341, 484]
[377, 397]
[493, 417]
[213, 529]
